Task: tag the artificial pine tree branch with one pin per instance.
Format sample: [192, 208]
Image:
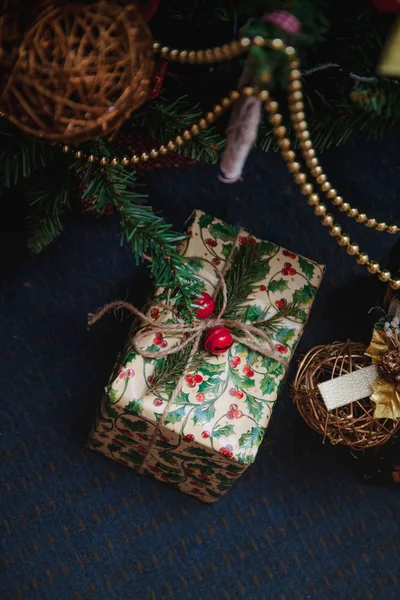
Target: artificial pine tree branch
[148, 234]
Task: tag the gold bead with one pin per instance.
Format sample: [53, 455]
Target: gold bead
[302, 126]
[217, 110]
[156, 46]
[331, 193]
[276, 120]
[297, 107]
[326, 187]
[135, 159]
[154, 153]
[187, 135]
[373, 267]
[313, 200]
[363, 259]
[361, 218]
[210, 117]
[104, 160]
[263, 95]
[306, 145]
[192, 57]
[179, 141]
[385, 276]
[165, 51]
[280, 131]
[299, 116]
[290, 51]
[289, 155]
[294, 64]
[183, 56]
[163, 149]
[392, 229]
[272, 106]
[343, 240]
[353, 249]
[307, 189]
[114, 161]
[235, 47]
[195, 129]
[284, 144]
[125, 161]
[144, 156]
[294, 167]
[304, 135]
[344, 207]
[294, 86]
[227, 50]
[91, 158]
[201, 57]
[335, 231]
[352, 213]
[321, 179]
[277, 44]
[380, 226]
[259, 40]
[171, 145]
[209, 55]
[294, 74]
[234, 95]
[338, 201]
[312, 163]
[316, 172]
[300, 178]
[370, 223]
[245, 42]
[65, 148]
[248, 91]
[174, 55]
[225, 102]
[320, 210]
[297, 96]
[327, 221]
[203, 124]
[78, 154]
[395, 284]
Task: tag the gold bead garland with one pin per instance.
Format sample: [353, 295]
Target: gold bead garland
[297, 116]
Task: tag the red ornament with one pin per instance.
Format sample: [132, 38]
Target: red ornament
[218, 340]
[280, 304]
[157, 80]
[206, 305]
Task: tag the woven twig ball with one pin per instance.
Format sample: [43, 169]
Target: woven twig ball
[353, 425]
[81, 70]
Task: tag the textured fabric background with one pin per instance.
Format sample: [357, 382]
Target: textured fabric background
[298, 525]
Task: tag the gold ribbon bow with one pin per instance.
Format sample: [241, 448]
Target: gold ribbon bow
[384, 350]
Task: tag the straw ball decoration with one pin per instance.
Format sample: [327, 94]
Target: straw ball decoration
[81, 70]
[354, 424]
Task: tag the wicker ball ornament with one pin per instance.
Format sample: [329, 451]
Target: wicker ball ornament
[81, 70]
[352, 425]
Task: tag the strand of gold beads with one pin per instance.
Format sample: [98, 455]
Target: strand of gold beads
[307, 189]
[296, 108]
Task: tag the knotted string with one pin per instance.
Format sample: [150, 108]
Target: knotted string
[192, 333]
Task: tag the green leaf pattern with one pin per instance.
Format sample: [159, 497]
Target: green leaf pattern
[216, 423]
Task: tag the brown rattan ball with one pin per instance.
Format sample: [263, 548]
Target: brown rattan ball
[81, 70]
[353, 425]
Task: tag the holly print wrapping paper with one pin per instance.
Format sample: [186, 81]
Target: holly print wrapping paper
[212, 430]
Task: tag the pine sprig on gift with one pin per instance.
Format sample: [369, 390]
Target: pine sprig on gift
[246, 270]
[150, 237]
[169, 369]
[292, 310]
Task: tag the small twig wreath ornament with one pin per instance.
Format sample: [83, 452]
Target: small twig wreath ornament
[352, 425]
[80, 71]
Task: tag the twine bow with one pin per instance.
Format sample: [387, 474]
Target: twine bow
[193, 333]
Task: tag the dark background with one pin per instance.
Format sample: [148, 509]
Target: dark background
[299, 523]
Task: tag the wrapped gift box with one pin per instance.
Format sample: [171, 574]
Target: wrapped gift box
[211, 431]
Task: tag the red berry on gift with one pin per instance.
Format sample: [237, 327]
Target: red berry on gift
[232, 392]
[230, 414]
[292, 271]
[235, 361]
[237, 414]
[130, 373]
[200, 397]
[205, 434]
[157, 402]
[122, 375]
[246, 369]
[150, 378]
[158, 338]
[239, 395]
[227, 451]
[126, 432]
[218, 340]
[154, 313]
[263, 288]
[252, 241]
[250, 373]
[198, 378]
[211, 242]
[233, 407]
[285, 272]
[289, 254]
[215, 261]
[206, 305]
[164, 343]
[281, 348]
[242, 239]
[281, 303]
[287, 265]
[189, 437]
